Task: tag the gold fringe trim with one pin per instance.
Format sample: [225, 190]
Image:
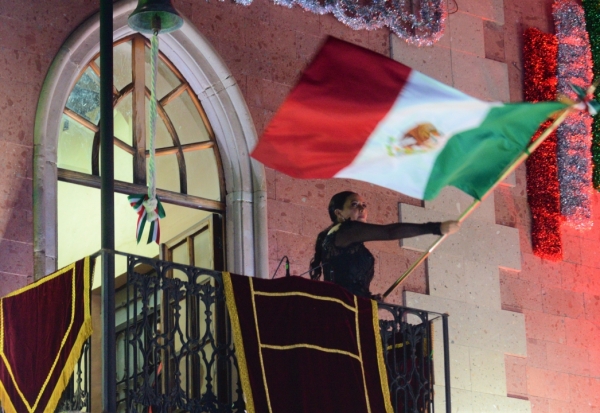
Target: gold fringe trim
[83, 334]
[380, 361]
[6, 402]
[362, 366]
[312, 347]
[4, 399]
[303, 294]
[431, 337]
[1, 325]
[260, 355]
[41, 281]
[400, 345]
[239, 344]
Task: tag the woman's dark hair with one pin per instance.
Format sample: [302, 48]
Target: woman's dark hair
[337, 202]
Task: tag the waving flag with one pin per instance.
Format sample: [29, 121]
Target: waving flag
[357, 114]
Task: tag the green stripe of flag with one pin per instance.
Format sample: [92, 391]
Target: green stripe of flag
[473, 160]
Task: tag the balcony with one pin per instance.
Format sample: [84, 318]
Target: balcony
[175, 351]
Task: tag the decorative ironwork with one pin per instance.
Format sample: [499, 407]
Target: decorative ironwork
[179, 354]
[408, 354]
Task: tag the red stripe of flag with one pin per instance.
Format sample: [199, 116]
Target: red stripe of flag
[326, 119]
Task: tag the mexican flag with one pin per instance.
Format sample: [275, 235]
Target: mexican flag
[357, 114]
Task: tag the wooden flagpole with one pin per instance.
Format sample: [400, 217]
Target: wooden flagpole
[524, 155]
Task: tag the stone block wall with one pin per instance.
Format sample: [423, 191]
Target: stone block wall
[31, 33]
[561, 371]
[559, 301]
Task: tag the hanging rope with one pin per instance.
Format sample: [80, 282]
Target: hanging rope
[151, 161]
[148, 205]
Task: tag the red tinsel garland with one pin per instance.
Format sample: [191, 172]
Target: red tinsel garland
[543, 193]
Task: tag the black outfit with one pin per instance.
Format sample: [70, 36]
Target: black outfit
[353, 267]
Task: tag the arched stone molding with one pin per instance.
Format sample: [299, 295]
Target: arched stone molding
[195, 58]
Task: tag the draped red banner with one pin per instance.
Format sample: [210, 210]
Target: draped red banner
[43, 328]
[306, 346]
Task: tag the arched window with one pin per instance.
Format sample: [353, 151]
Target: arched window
[204, 137]
[189, 176]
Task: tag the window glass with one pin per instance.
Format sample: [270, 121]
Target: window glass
[123, 120]
[166, 80]
[203, 253]
[167, 172]
[123, 163]
[122, 65]
[202, 174]
[163, 137]
[85, 97]
[179, 122]
[74, 146]
[79, 225]
[180, 254]
[77, 237]
[188, 123]
[178, 220]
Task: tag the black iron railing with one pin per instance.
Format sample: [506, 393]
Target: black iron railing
[407, 342]
[179, 353]
[175, 351]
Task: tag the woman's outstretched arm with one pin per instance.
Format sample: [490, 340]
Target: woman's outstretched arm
[355, 231]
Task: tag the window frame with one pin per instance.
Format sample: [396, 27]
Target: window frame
[215, 87]
[138, 150]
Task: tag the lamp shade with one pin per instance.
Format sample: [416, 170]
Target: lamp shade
[148, 12]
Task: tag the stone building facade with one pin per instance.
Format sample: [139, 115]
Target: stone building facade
[524, 331]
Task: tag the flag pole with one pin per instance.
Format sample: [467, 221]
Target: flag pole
[509, 169]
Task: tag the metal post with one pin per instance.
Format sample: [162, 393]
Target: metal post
[447, 362]
[107, 217]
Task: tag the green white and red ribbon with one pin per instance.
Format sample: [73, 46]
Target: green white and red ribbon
[148, 206]
[148, 210]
